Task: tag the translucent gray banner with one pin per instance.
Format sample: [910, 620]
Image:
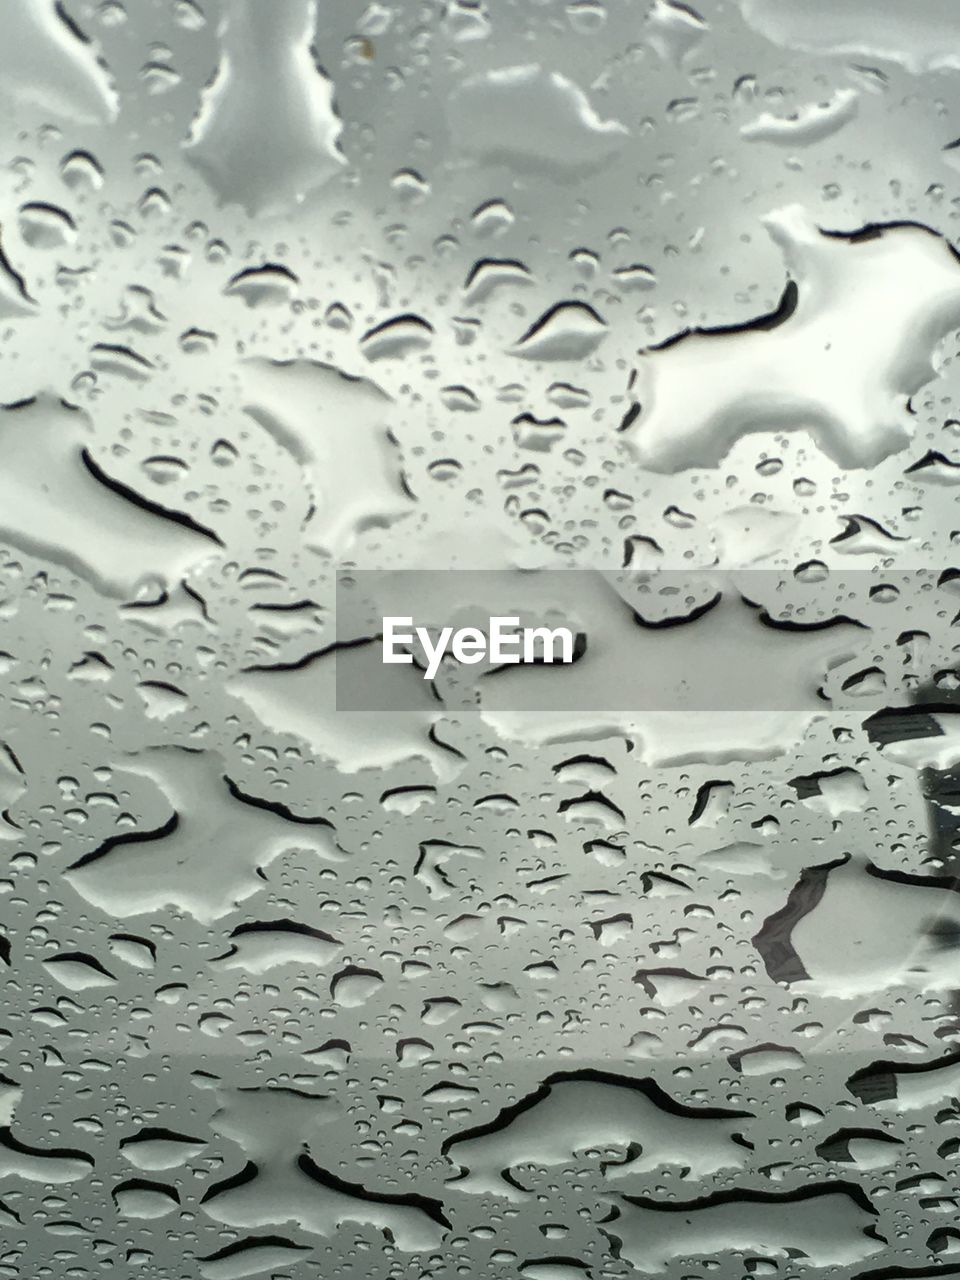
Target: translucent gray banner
[671, 640]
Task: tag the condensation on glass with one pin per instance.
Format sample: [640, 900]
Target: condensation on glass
[645, 964]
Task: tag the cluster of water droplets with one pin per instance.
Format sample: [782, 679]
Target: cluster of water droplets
[645, 964]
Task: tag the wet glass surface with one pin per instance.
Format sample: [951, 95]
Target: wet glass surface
[645, 964]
